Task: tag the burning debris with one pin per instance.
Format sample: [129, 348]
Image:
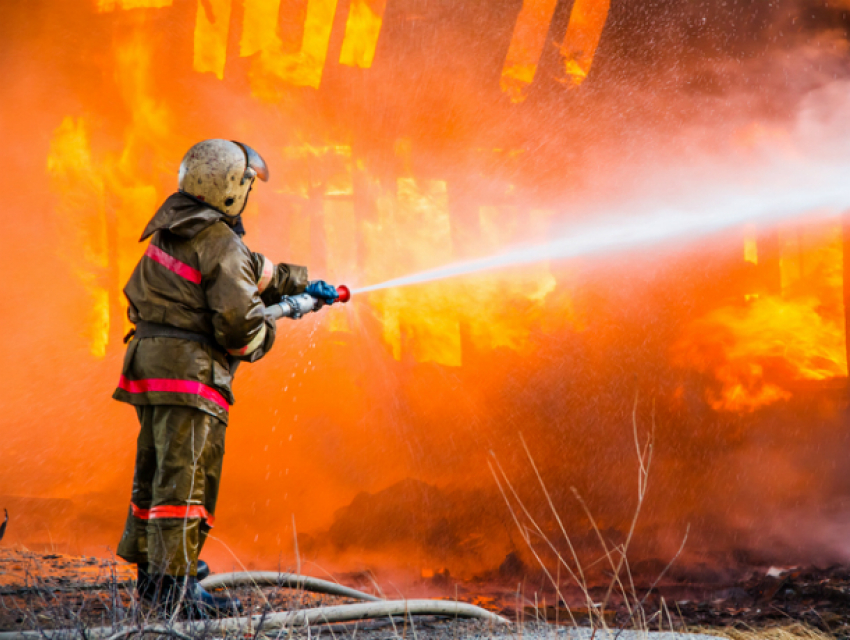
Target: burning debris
[815, 597]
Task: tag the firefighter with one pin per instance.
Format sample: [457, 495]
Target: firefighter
[197, 299]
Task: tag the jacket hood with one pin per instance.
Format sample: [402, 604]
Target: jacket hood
[182, 215]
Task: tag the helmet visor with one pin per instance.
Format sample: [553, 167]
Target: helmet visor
[254, 161]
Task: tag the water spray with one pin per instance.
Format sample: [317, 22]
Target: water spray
[783, 194]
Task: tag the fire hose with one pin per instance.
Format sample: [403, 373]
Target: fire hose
[291, 580]
[279, 620]
[375, 608]
[295, 307]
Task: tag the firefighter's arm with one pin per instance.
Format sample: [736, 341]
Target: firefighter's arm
[233, 297]
[277, 280]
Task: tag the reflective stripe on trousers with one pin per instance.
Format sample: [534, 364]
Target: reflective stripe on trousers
[179, 457]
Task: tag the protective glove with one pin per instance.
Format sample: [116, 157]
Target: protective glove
[323, 291]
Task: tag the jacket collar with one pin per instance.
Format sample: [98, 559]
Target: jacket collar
[182, 215]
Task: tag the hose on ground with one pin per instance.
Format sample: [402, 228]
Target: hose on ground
[286, 619]
[290, 580]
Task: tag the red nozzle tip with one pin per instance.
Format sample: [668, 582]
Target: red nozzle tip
[344, 293]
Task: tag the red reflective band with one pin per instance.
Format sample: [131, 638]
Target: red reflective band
[169, 511]
[173, 264]
[267, 274]
[252, 346]
[173, 386]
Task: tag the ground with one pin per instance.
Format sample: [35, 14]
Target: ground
[52, 591]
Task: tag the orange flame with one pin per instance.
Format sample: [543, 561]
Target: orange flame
[587, 21]
[362, 29]
[83, 218]
[112, 5]
[212, 27]
[527, 43]
[282, 61]
[757, 350]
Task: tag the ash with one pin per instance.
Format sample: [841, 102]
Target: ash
[817, 597]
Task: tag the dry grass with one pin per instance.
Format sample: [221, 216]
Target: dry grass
[794, 631]
[599, 614]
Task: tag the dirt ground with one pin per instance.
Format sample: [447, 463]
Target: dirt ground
[51, 592]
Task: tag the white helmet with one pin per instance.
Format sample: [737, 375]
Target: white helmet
[220, 173]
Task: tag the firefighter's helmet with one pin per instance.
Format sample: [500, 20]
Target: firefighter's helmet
[220, 173]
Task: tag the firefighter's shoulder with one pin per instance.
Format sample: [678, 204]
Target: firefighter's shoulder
[218, 244]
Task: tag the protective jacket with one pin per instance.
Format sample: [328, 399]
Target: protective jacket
[198, 276]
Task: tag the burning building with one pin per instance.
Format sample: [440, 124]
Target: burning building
[402, 136]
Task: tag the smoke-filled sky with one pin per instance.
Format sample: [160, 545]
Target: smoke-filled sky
[447, 131]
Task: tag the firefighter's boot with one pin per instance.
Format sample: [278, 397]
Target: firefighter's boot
[201, 603]
[187, 594]
[203, 570]
[145, 586]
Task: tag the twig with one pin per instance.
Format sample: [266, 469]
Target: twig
[148, 630]
[657, 580]
[523, 532]
[644, 461]
[260, 625]
[579, 579]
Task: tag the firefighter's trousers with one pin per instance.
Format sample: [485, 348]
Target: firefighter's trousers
[175, 486]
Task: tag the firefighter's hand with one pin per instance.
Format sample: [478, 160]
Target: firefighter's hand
[323, 292]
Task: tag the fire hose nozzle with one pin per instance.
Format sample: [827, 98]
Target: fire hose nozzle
[297, 306]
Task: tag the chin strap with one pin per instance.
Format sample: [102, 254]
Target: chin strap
[238, 227]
